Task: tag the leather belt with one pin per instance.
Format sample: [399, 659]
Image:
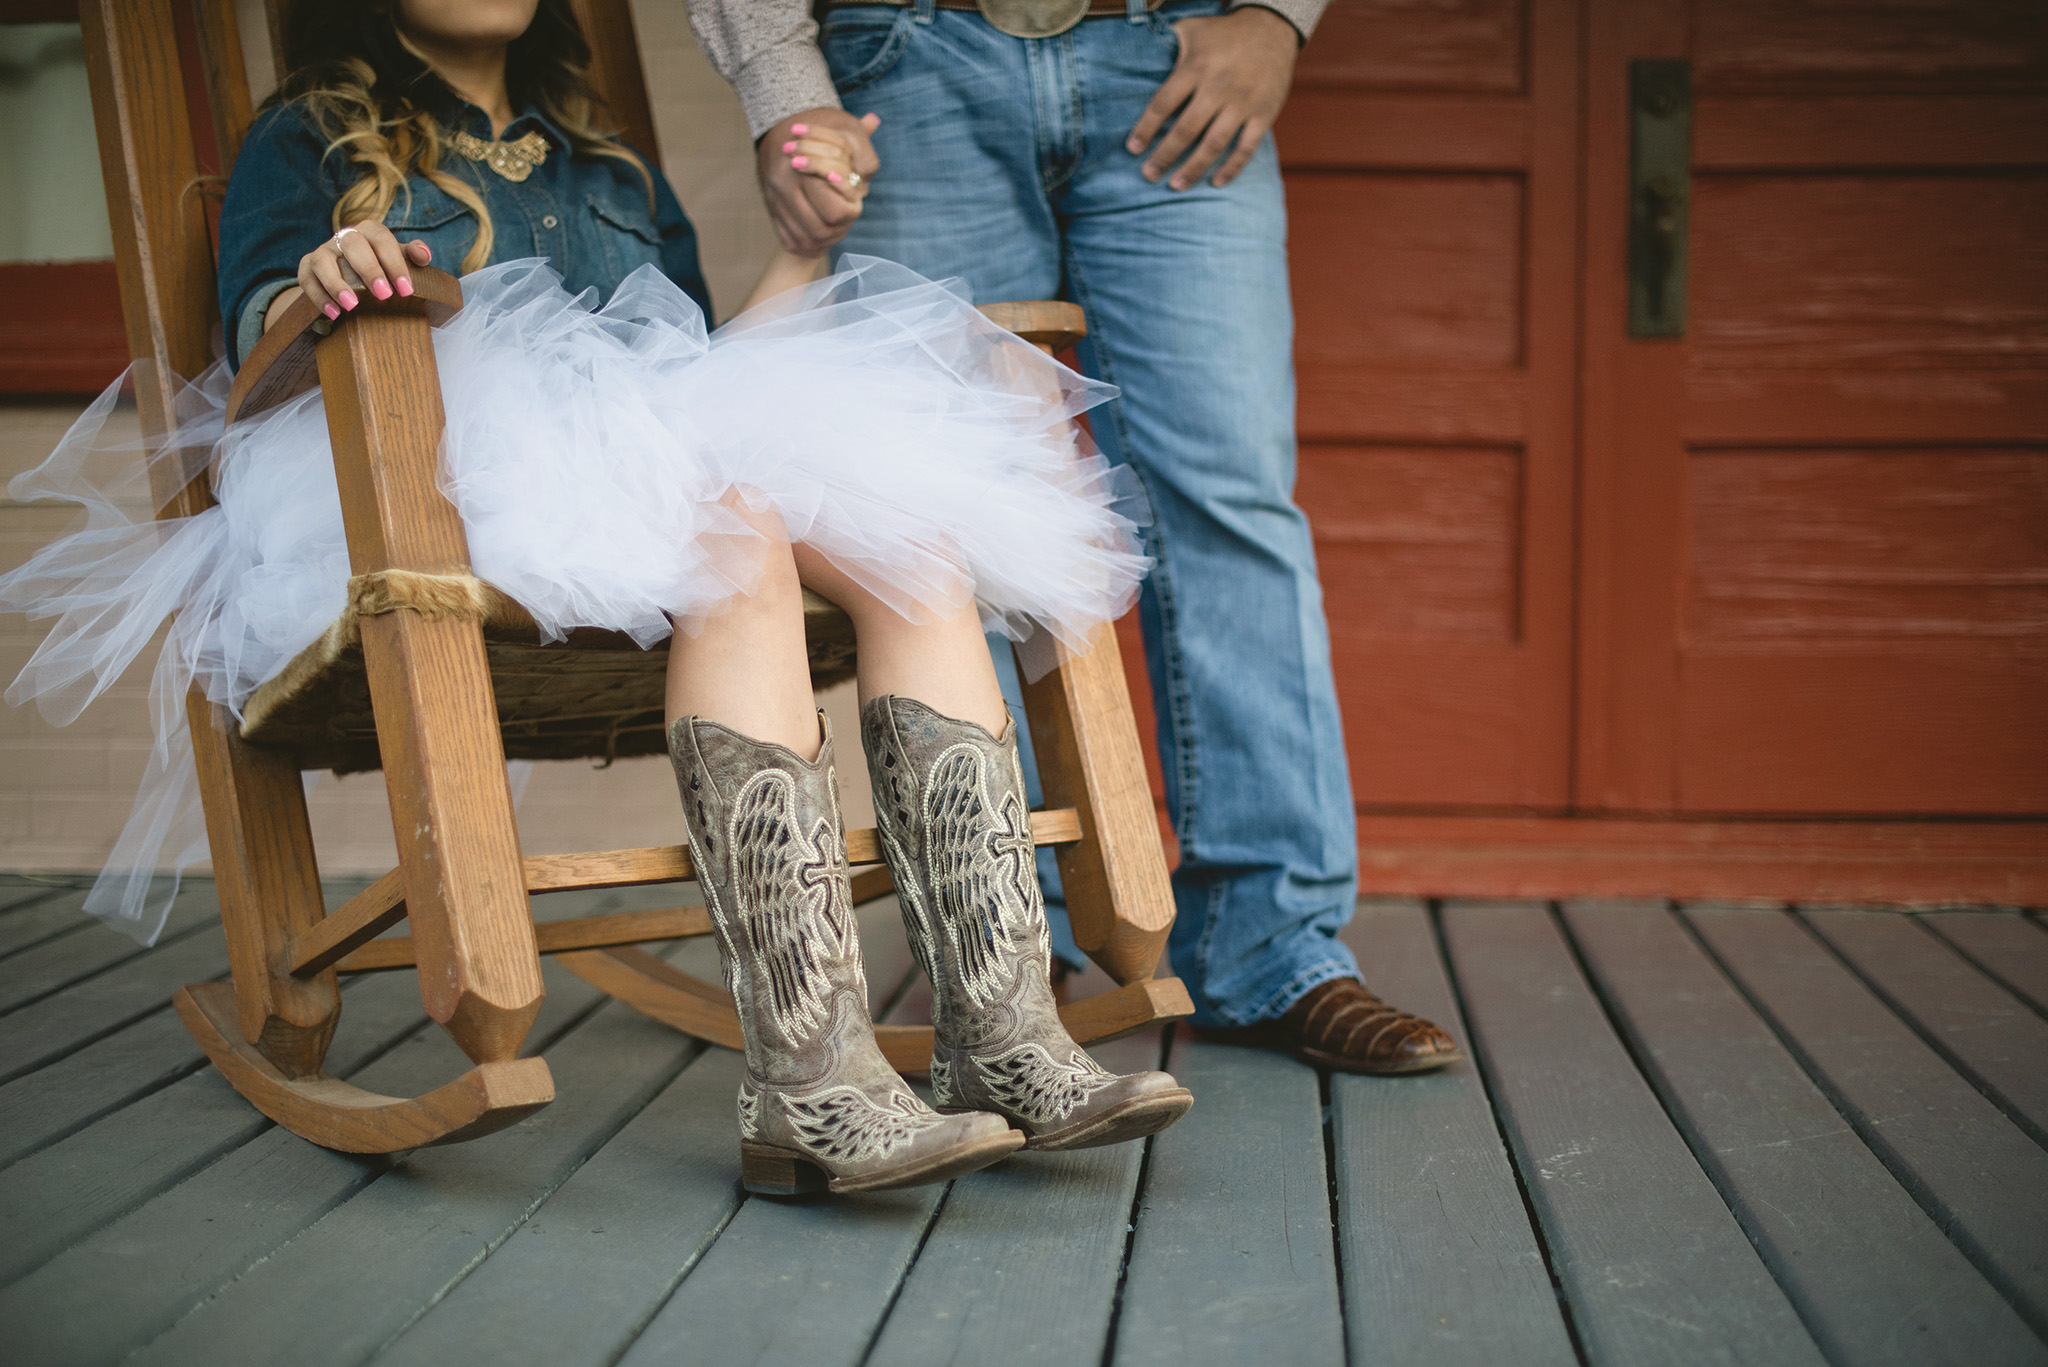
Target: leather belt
[1021, 18]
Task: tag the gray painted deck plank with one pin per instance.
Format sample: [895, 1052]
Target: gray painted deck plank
[1233, 1259]
[39, 1109]
[803, 1282]
[1984, 1182]
[57, 1197]
[1657, 1269]
[17, 890]
[128, 1282]
[73, 1017]
[1874, 1279]
[1440, 1263]
[56, 912]
[981, 1292]
[60, 1098]
[597, 1259]
[416, 1231]
[1986, 1032]
[55, 964]
[2010, 947]
[846, 1257]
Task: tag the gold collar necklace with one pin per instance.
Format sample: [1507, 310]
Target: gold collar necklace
[512, 160]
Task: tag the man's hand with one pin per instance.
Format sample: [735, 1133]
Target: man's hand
[1228, 85]
[808, 213]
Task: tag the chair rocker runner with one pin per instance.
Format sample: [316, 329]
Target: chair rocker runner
[438, 678]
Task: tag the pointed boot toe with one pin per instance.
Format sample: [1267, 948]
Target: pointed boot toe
[1136, 1105]
[950, 806]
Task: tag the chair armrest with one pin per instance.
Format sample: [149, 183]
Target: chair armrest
[281, 366]
[1052, 324]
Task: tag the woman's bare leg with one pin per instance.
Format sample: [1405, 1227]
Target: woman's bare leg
[748, 667]
[943, 664]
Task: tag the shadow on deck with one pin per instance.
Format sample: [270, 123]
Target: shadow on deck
[1715, 1134]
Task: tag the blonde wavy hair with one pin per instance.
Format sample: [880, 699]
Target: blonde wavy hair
[371, 93]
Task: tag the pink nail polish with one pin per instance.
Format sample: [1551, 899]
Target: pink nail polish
[381, 288]
[404, 287]
[799, 128]
[833, 176]
[789, 147]
[799, 162]
[348, 299]
[331, 311]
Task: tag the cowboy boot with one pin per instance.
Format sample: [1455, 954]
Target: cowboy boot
[949, 803]
[819, 1106]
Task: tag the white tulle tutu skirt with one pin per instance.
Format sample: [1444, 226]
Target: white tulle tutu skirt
[595, 455]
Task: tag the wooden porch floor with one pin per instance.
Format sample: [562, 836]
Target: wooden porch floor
[1715, 1134]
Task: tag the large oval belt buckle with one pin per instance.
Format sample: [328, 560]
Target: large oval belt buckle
[1033, 18]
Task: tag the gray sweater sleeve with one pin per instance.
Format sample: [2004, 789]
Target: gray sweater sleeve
[1300, 13]
[768, 49]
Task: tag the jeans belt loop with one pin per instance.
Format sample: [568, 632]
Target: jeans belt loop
[924, 10]
[1136, 11]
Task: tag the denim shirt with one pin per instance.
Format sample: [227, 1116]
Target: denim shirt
[588, 215]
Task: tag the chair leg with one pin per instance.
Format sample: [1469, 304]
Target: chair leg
[451, 810]
[430, 687]
[1119, 897]
[269, 1033]
[269, 887]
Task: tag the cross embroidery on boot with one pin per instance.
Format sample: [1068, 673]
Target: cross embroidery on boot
[791, 891]
[980, 909]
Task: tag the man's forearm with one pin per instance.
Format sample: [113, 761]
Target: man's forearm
[768, 50]
[1303, 14]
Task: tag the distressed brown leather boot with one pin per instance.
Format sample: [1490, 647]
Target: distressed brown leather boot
[819, 1107]
[1342, 1025]
[949, 803]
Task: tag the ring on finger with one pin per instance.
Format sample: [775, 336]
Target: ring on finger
[335, 241]
[854, 180]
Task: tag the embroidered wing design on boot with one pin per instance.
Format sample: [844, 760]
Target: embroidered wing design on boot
[791, 890]
[978, 861]
[846, 1125]
[1026, 1082]
[750, 1112]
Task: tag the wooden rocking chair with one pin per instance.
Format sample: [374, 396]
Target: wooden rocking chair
[437, 678]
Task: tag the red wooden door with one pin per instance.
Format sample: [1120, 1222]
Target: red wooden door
[1432, 158]
[1815, 531]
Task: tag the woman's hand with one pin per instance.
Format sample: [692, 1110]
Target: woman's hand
[365, 256]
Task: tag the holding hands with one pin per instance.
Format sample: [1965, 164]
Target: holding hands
[814, 169]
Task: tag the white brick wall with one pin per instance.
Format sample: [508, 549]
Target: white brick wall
[65, 792]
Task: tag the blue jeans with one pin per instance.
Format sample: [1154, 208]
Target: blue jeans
[1003, 164]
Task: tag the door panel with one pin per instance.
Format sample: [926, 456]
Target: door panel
[1431, 155]
[1815, 529]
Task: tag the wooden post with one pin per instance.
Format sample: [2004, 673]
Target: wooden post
[437, 728]
[269, 885]
[256, 819]
[1119, 897]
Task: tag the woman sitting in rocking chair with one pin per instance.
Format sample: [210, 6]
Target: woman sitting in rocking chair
[868, 434]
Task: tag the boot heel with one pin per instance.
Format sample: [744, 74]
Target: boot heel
[771, 1171]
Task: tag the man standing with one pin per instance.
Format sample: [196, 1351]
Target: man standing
[1116, 153]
